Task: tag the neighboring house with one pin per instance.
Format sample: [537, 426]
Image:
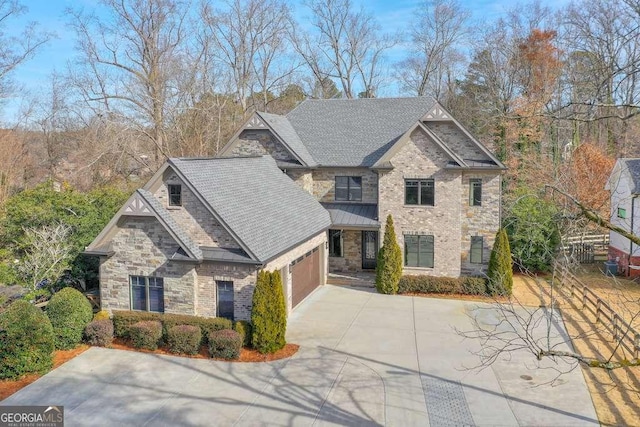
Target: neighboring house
[192, 240]
[366, 158]
[624, 185]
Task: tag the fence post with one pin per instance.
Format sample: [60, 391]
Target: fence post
[598, 310]
[636, 345]
[584, 297]
[614, 319]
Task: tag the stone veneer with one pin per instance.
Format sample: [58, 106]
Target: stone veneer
[260, 142]
[193, 216]
[142, 247]
[302, 177]
[324, 184]
[421, 158]
[284, 261]
[456, 139]
[351, 259]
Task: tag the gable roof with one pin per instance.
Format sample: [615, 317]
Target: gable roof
[288, 136]
[264, 208]
[355, 132]
[143, 203]
[631, 168]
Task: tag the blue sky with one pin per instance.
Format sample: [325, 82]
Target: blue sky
[33, 75]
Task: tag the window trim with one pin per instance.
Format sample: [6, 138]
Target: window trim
[473, 184]
[170, 194]
[471, 258]
[147, 284]
[432, 242]
[348, 178]
[622, 213]
[331, 246]
[421, 181]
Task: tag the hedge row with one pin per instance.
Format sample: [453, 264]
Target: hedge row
[442, 285]
[123, 320]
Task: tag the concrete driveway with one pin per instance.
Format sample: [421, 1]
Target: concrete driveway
[365, 359]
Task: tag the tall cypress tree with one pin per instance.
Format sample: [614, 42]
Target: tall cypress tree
[268, 313]
[500, 272]
[389, 266]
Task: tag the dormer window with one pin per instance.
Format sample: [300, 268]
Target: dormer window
[175, 194]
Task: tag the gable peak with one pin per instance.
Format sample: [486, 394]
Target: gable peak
[437, 113]
[137, 206]
[255, 123]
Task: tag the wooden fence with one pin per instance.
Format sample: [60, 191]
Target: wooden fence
[627, 337]
[586, 248]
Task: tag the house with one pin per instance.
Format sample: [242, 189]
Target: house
[364, 159]
[305, 194]
[193, 239]
[624, 186]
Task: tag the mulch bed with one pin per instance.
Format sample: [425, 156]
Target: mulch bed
[8, 387]
[246, 355]
[463, 297]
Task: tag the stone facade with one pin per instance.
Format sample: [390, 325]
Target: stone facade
[351, 259]
[260, 142]
[456, 139]
[283, 262]
[142, 247]
[324, 183]
[302, 177]
[244, 282]
[193, 216]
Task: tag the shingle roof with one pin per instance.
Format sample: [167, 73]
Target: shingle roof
[282, 126]
[633, 167]
[353, 215]
[226, 255]
[354, 132]
[267, 212]
[173, 227]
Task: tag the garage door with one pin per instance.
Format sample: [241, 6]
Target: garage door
[305, 275]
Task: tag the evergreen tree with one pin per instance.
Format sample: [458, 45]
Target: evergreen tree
[500, 273]
[389, 266]
[268, 313]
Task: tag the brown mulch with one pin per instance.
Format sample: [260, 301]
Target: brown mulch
[246, 355]
[8, 387]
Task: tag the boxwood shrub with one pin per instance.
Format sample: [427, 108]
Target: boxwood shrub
[146, 334]
[184, 339]
[226, 344]
[69, 312]
[442, 285]
[99, 333]
[26, 341]
[245, 330]
[123, 320]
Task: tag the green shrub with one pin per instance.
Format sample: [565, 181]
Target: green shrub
[244, 329]
[26, 338]
[69, 312]
[102, 315]
[184, 339]
[268, 313]
[500, 272]
[146, 334]
[99, 333]
[123, 320]
[389, 265]
[226, 344]
[442, 285]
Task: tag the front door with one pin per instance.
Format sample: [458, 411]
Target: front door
[369, 249]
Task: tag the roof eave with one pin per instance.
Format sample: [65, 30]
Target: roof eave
[295, 245]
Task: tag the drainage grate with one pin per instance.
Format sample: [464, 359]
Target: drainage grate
[446, 404]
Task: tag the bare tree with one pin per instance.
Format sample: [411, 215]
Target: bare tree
[437, 34]
[130, 59]
[344, 45]
[16, 50]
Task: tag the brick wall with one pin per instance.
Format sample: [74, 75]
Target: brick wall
[142, 248]
[420, 158]
[244, 282]
[259, 142]
[456, 139]
[351, 261]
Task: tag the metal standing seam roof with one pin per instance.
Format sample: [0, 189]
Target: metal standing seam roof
[354, 132]
[353, 215]
[282, 126]
[225, 255]
[163, 215]
[262, 206]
